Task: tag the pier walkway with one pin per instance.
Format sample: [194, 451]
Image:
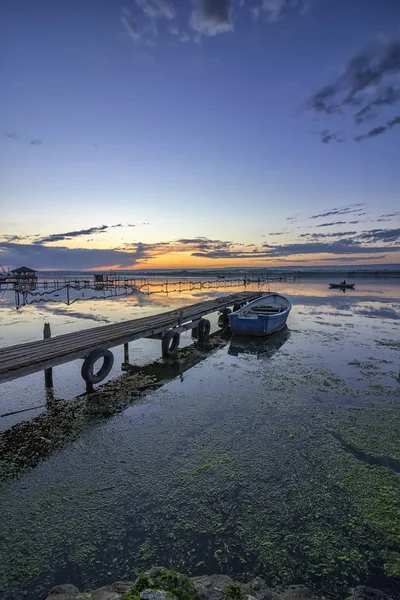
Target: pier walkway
[24, 359]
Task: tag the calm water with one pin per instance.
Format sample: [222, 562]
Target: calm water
[278, 458]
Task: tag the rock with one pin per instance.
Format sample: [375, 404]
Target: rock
[66, 588]
[157, 595]
[105, 595]
[363, 592]
[298, 592]
[63, 592]
[115, 591]
[258, 589]
[211, 587]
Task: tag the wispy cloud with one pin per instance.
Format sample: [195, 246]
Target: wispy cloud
[378, 130]
[344, 210]
[331, 224]
[155, 9]
[329, 136]
[36, 143]
[369, 82]
[275, 9]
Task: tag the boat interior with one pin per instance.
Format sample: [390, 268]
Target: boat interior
[269, 305]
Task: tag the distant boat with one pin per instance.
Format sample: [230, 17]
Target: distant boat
[262, 316]
[342, 286]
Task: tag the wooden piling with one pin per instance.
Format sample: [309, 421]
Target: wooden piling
[48, 373]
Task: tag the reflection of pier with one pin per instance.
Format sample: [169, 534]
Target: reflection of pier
[25, 444]
[70, 293]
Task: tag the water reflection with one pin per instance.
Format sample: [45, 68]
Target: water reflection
[25, 444]
[260, 347]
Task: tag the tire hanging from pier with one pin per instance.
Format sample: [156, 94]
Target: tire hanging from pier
[170, 343]
[87, 370]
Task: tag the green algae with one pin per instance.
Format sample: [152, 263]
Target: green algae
[159, 578]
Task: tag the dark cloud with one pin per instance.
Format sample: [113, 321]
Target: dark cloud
[386, 96]
[12, 136]
[328, 235]
[329, 136]
[293, 218]
[394, 214]
[368, 83]
[212, 16]
[36, 143]
[345, 210]
[378, 130]
[381, 235]
[53, 257]
[277, 233]
[58, 237]
[330, 224]
[383, 220]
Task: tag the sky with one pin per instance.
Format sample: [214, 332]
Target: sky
[199, 133]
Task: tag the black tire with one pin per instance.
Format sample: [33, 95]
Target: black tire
[170, 343]
[224, 315]
[87, 370]
[203, 331]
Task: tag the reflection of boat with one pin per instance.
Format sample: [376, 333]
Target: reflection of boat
[262, 348]
[262, 316]
[342, 286]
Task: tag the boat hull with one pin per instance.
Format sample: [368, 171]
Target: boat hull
[340, 286]
[263, 325]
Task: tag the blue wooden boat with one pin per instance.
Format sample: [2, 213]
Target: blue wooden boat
[262, 316]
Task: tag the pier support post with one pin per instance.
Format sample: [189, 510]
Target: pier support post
[126, 353]
[48, 373]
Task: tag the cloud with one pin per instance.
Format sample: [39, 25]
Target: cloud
[381, 235]
[329, 136]
[274, 9]
[211, 17]
[394, 214]
[58, 237]
[36, 143]
[386, 96]
[344, 210]
[55, 257]
[330, 224]
[157, 8]
[378, 130]
[131, 26]
[369, 82]
[12, 136]
[328, 235]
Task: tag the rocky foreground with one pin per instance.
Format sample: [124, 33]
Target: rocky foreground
[161, 584]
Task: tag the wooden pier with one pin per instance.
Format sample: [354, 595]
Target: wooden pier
[24, 359]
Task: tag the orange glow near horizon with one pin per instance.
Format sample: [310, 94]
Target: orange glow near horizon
[185, 260]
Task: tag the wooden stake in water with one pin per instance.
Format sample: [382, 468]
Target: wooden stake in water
[48, 373]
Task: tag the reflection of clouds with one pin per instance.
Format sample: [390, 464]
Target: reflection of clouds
[73, 314]
[384, 312]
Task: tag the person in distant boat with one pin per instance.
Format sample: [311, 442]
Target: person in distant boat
[343, 282]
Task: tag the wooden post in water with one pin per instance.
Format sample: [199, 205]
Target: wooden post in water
[48, 373]
[126, 353]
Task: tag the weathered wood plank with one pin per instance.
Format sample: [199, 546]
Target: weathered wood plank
[24, 359]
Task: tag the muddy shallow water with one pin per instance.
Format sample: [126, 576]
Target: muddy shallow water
[278, 458]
